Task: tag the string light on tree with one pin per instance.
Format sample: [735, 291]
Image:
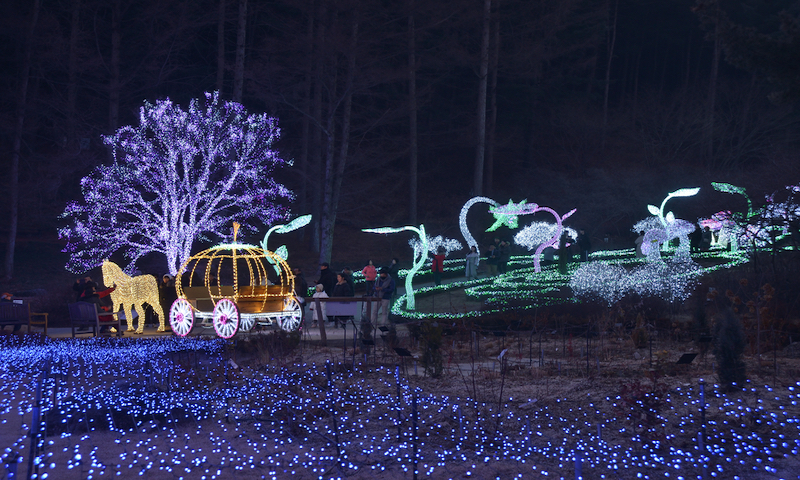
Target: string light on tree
[180, 175]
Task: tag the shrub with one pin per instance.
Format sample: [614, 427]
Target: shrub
[431, 343]
[729, 344]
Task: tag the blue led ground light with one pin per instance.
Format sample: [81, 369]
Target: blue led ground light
[150, 408]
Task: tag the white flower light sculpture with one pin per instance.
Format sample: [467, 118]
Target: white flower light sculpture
[449, 244]
[542, 235]
[419, 257]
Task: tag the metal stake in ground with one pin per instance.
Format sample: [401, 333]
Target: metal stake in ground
[414, 430]
[332, 403]
[397, 380]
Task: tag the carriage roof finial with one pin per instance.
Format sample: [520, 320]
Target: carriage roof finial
[235, 230]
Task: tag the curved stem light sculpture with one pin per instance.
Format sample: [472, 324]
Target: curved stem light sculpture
[282, 251]
[552, 241]
[462, 219]
[419, 256]
[298, 222]
[733, 189]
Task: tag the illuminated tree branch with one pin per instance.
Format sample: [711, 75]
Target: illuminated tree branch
[178, 176]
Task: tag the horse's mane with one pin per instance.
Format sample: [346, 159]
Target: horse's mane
[114, 271]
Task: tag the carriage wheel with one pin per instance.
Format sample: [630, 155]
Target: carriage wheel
[181, 317]
[226, 318]
[292, 315]
[246, 323]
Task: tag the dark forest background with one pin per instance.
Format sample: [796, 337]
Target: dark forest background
[397, 112]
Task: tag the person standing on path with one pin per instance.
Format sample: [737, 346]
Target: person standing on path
[503, 256]
[370, 274]
[319, 292]
[341, 289]
[437, 267]
[384, 289]
[300, 289]
[492, 259]
[326, 278]
[585, 245]
[473, 259]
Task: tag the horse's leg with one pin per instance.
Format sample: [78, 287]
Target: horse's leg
[128, 315]
[142, 317]
[159, 311]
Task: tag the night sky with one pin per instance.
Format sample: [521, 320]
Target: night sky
[603, 106]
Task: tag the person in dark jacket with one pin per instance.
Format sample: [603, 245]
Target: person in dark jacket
[384, 289]
[348, 276]
[503, 256]
[300, 283]
[492, 259]
[166, 295]
[326, 278]
[584, 245]
[300, 289]
[341, 289]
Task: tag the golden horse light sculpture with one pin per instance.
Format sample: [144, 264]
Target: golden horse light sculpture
[133, 292]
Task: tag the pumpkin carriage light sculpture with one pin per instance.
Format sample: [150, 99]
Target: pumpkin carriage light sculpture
[242, 284]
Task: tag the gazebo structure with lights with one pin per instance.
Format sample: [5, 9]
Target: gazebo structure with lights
[232, 287]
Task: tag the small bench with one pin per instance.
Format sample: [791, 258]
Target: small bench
[18, 312]
[85, 314]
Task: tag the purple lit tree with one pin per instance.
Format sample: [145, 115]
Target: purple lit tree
[179, 176]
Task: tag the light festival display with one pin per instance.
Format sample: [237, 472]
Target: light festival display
[178, 176]
[675, 228]
[448, 244]
[509, 213]
[250, 295]
[537, 233]
[420, 255]
[295, 224]
[729, 232]
[670, 280]
[534, 232]
[182, 411]
[133, 292]
[462, 219]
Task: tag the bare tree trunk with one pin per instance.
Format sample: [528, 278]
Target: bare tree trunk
[412, 116]
[72, 67]
[712, 92]
[238, 71]
[316, 152]
[492, 127]
[306, 122]
[114, 82]
[220, 45]
[480, 148]
[22, 96]
[345, 142]
[610, 54]
[327, 218]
